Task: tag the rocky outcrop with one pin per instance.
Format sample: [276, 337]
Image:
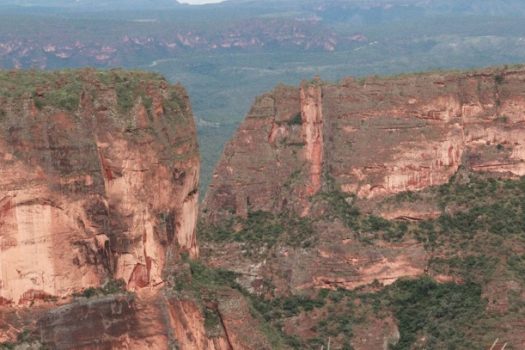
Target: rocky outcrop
[312, 121]
[120, 322]
[372, 138]
[359, 165]
[96, 182]
[238, 328]
[126, 321]
[336, 261]
[99, 175]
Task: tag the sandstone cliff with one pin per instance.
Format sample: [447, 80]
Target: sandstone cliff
[99, 175]
[351, 188]
[365, 214]
[97, 182]
[374, 137]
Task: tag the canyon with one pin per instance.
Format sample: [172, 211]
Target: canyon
[371, 213]
[99, 200]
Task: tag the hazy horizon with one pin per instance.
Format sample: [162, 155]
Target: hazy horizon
[200, 2]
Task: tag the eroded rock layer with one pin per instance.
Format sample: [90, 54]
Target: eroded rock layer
[331, 195]
[99, 174]
[372, 138]
[98, 180]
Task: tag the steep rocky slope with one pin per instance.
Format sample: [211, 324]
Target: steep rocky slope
[374, 137]
[76, 182]
[352, 188]
[99, 176]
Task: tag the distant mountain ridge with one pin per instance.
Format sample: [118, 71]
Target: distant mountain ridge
[330, 9]
[99, 4]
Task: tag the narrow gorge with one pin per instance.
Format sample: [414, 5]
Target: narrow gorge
[373, 213]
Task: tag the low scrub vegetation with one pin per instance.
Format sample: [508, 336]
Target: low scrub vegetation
[63, 89]
[24, 340]
[442, 314]
[475, 241]
[110, 287]
[262, 230]
[424, 309]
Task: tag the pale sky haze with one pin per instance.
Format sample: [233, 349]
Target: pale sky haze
[199, 2]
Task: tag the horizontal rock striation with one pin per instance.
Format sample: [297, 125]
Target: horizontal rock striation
[361, 186]
[372, 138]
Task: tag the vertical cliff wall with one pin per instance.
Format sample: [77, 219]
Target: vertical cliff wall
[99, 174]
[312, 122]
[373, 138]
[98, 180]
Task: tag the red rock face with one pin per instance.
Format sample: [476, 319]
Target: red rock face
[359, 142]
[374, 138]
[238, 328]
[312, 121]
[125, 321]
[99, 180]
[94, 192]
[115, 322]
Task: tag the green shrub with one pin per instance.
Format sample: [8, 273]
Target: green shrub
[472, 268]
[125, 95]
[22, 337]
[407, 196]
[64, 95]
[341, 209]
[89, 292]
[66, 98]
[443, 313]
[375, 223]
[204, 277]
[262, 230]
[502, 119]
[110, 287]
[39, 103]
[114, 286]
[174, 102]
[212, 321]
[516, 264]
[365, 226]
[323, 294]
[296, 120]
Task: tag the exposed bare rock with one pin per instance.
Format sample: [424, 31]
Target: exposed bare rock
[373, 138]
[99, 174]
[98, 182]
[383, 175]
[95, 190]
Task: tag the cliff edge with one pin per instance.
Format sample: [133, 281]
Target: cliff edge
[357, 213]
[373, 137]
